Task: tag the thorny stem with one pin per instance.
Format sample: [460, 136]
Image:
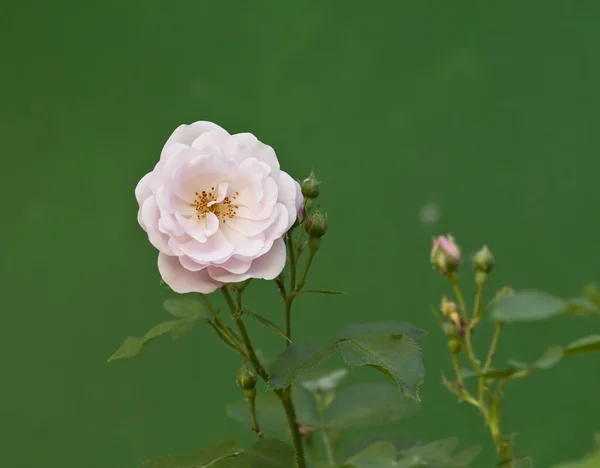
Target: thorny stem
[222, 330]
[284, 395]
[286, 400]
[459, 296]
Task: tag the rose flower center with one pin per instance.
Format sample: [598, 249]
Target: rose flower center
[206, 202]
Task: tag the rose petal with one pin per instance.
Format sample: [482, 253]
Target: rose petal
[260, 151]
[216, 247]
[290, 194]
[150, 216]
[271, 264]
[186, 134]
[184, 281]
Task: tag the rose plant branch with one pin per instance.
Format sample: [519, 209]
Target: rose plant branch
[222, 213]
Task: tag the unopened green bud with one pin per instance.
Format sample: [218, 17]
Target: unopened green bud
[310, 186]
[316, 226]
[483, 260]
[454, 345]
[449, 329]
[246, 379]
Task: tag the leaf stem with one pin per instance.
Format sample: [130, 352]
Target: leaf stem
[493, 346]
[292, 258]
[459, 295]
[311, 256]
[324, 433]
[252, 408]
[236, 314]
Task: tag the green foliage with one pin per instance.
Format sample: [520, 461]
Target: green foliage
[266, 453]
[390, 347]
[552, 356]
[401, 442]
[527, 306]
[186, 307]
[385, 454]
[324, 381]
[190, 312]
[266, 323]
[369, 404]
[206, 457]
[293, 362]
[322, 291]
[591, 460]
[270, 413]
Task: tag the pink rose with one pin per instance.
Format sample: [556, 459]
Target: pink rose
[217, 206]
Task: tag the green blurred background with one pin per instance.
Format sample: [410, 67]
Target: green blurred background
[478, 118]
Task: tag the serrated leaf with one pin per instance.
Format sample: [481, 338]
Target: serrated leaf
[399, 441]
[160, 329]
[465, 457]
[130, 347]
[324, 381]
[369, 404]
[204, 458]
[439, 451]
[588, 344]
[182, 327]
[267, 323]
[270, 413]
[132, 344]
[186, 307]
[293, 362]
[266, 453]
[385, 327]
[388, 349]
[527, 306]
[380, 454]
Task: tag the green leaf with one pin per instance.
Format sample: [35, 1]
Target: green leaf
[588, 344]
[399, 441]
[525, 462]
[465, 456]
[130, 347]
[527, 306]
[550, 358]
[270, 413]
[133, 345]
[389, 347]
[266, 453]
[369, 404]
[385, 327]
[324, 381]
[583, 306]
[293, 362]
[267, 323]
[592, 460]
[186, 307]
[381, 454]
[439, 451]
[206, 457]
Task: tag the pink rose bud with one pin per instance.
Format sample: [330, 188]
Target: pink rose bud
[445, 254]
